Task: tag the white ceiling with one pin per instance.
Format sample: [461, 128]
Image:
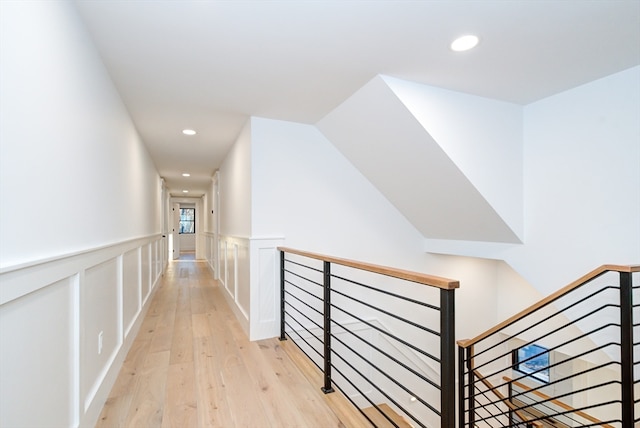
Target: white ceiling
[209, 65]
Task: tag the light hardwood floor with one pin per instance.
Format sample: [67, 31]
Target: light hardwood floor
[191, 365]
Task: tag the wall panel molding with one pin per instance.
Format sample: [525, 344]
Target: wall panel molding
[234, 274]
[265, 287]
[250, 275]
[26, 278]
[77, 315]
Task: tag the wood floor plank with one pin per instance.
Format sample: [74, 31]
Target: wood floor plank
[233, 373]
[180, 408]
[181, 415]
[383, 422]
[284, 379]
[197, 302]
[337, 402]
[181, 385]
[147, 402]
[162, 338]
[115, 411]
[147, 328]
[182, 345]
[131, 367]
[213, 409]
[201, 325]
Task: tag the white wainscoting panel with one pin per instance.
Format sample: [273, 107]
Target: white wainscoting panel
[99, 323]
[131, 295]
[146, 272]
[66, 325]
[210, 252]
[156, 260]
[222, 252]
[242, 277]
[265, 287]
[250, 274]
[234, 268]
[37, 358]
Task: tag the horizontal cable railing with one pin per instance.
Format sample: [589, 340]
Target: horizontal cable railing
[570, 360]
[384, 337]
[516, 413]
[548, 404]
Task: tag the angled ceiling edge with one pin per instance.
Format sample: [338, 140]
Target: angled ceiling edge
[483, 137]
[376, 132]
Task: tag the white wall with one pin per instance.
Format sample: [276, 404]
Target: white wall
[307, 192]
[211, 210]
[582, 181]
[211, 214]
[70, 157]
[482, 136]
[187, 242]
[580, 185]
[80, 220]
[394, 140]
[303, 190]
[235, 187]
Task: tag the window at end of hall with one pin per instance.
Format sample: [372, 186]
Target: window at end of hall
[187, 220]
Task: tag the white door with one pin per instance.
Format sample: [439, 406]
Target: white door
[175, 231]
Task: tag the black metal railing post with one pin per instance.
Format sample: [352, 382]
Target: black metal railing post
[327, 388]
[461, 418]
[282, 297]
[626, 348]
[471, 406]
[447, 359]
[511, 418]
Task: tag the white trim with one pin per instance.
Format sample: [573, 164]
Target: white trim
[75, 362]
[231, 267]
[260, 267]
[264, 279]
[60, 257]
[18, 281]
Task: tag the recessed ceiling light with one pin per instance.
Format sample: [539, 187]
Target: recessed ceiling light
[188, 132]
[185, 191]
[464, 43]
[186, 174]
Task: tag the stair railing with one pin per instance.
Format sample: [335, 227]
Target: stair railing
[515, 413]
[579, 347]
[579, 418]
[377, 334]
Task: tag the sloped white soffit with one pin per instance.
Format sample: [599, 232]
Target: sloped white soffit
[384, 130]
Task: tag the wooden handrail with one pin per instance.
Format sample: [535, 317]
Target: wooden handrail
[505, 400]
[550, 298]
[557, 402]
[420, 278]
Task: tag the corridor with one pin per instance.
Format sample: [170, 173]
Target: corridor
[191, 365]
